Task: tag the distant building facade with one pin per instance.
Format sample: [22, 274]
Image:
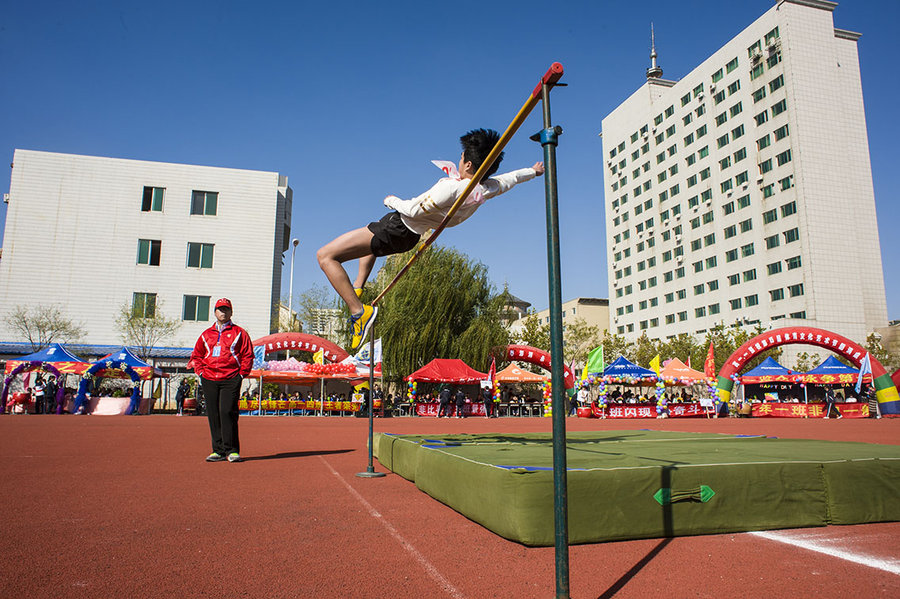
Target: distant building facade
[592, 310]
[743, 192]
[91, 234]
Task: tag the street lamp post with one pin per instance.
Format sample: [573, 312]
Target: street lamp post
[295, 243]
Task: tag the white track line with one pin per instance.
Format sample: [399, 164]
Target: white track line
[423, 561]
[891, 565]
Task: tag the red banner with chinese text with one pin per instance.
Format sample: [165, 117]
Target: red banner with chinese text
[676, 410]
[431, 409]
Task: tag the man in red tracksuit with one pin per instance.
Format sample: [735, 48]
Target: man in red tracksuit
[222, 357]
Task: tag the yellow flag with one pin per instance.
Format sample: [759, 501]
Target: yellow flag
[654, 364]
[319, 357]
[363, 385]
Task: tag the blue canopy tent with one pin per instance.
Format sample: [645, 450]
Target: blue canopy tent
[622, 368]
[55, 359]
[768, 371]
[121, 363]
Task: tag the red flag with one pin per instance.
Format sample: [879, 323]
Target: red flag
[492, 371]
[709, 367]
[688, 362]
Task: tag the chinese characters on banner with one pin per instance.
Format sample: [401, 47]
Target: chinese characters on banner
[678, 410]
[813, 410]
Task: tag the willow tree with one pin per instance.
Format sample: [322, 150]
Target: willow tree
[443, 307]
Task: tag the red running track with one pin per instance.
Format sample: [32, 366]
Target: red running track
[126, 507]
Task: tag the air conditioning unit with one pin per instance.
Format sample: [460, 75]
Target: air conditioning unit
[756, 57]
[678, 239]
[666, 223]
[744, 185]
[615, 283]
[650, 231]
[680, 259]
[700, 96]
[760, 179]
[712, 88]
[728, 194]
[695, 208]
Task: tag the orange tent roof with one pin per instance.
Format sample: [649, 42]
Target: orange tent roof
[514, 374]
[676, 369]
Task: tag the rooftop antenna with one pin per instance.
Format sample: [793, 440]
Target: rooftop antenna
[654, 72]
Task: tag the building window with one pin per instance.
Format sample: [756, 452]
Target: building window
[741, 178]
[724, 163]
[791, 235]
[703, 152]
[704, 174]
[734, 279]
[726, 185]
[712, 285]
[682, 316]
[728, 208]
[759, 94]
[200, 255]
[731, 255]
[735, 304]
[743, 201]
[747, 250]
[782, 132]
[732, 65]
[772, 242]
[749, 275]
[153, 199]
[722, 141]
[148, 251]
[776, 83]
[761, 118]
[143, 305]
[787, 182]
[204, 202]
[776, 294]
[770, 216]
[700, 312]
[721, 118]
[751, 300]
[735, 110]
[799, 315]
[779, 107]
[719, 97]
[783, 158]
[794, 262]
[763, 142]
[746, 225]
[773, 268]
[796, 290]
[685, 99]
[740, 154]
[737, 132]
[757, 71]
[713, 309]
[771, 36]
[730, 231]
[681, 294]
[196, 307]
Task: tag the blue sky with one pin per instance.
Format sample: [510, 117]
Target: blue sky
[352, 100]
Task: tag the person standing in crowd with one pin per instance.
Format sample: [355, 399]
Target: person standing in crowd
[830, 399]
[50, 390]
[460, 403]
[183, 389]
[222, 357]
[488, 402]
[444, 399]
[37, 394]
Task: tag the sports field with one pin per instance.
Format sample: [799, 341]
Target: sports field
[124, 506]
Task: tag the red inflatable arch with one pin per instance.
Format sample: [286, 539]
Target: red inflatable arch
[302, 342]
[885, 390]
[533, 355]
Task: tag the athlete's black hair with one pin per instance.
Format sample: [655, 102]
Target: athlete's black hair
[477, 144]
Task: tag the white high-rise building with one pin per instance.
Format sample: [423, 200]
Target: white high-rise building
[90, 235]
[743, 192]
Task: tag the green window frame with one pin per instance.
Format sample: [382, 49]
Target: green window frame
[200, 255]
[149, 251]
[143, 304]
[195, 307]
[152, 199]
[204, 203]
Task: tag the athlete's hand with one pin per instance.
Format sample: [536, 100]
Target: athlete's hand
[538, 168]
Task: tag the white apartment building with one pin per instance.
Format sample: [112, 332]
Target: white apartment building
[743, 192]
[92, 234]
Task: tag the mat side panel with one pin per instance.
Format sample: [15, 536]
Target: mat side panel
[862, 491]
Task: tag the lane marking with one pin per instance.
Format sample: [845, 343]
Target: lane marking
[890, 565]
[423, 561]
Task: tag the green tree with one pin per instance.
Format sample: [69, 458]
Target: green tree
[144, 329]
[880, 352]
[615, 346]
[534, 333]
[683, 347]
[806, 361]
[42, 325]
[443, 307]
[727, 339]
[579, 338]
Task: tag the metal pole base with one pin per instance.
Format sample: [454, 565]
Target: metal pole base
[370, 474]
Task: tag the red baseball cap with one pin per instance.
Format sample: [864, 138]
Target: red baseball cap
[224, 303]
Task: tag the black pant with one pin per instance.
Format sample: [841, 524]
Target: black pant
[222, 412]
[444, 409]
[488, 407]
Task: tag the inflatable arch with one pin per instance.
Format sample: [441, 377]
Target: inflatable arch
[885, 391]
[91, 374]
[302, 342]
[26, 367]
[533, 355]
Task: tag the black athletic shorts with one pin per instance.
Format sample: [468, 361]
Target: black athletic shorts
[391, 236]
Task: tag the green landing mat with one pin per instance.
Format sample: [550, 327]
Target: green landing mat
[649, 484]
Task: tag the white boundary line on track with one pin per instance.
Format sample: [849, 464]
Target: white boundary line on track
[423, 561]
[887, 565]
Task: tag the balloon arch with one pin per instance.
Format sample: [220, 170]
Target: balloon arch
[302, 342]
[91, 374]
[885, 391]
[27, 367]
[533, 355]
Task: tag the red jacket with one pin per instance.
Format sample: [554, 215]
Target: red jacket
[233, 357]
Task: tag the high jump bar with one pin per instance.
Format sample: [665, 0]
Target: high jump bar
[553, 74]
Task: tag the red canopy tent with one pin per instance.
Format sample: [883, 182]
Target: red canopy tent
[447, 371]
